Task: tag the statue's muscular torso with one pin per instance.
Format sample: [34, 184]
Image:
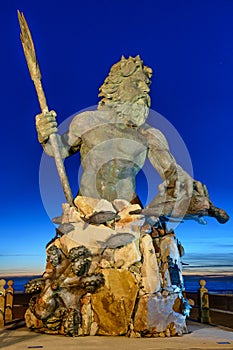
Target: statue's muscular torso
[111, 152]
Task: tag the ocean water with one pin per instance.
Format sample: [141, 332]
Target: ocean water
[215, 284]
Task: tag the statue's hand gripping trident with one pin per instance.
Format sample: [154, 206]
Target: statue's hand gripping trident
[30, 55]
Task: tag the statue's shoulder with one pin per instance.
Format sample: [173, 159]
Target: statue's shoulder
[86, 121]
[87, 116]
[153, 136]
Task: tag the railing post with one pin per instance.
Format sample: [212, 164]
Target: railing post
[9, 301]
[2, 302]
[203, 303]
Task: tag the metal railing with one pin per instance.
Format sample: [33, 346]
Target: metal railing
[207, 307]
[211, 308]
[6, 301]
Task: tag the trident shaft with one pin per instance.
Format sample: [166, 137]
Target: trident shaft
[34, 70]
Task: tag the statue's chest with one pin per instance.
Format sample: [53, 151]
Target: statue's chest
[114, 140]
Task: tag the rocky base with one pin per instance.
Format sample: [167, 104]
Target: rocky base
[109, 272]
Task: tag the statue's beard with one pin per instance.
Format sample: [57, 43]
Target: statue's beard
[132, 114]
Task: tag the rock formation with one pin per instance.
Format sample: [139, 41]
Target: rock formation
[120, 277]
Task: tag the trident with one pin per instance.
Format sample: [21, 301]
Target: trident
[34, 70]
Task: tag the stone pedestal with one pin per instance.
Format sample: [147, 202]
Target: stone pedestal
[109, 273]
[114, 303]
[158, 314]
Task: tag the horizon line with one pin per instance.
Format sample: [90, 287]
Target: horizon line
[184, 273]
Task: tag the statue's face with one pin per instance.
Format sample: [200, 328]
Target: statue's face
[134, 100]
[80, 266]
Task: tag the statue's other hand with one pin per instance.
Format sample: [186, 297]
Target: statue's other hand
[46, 125]
[177, 183]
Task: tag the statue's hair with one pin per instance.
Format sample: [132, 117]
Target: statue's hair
[120, 71]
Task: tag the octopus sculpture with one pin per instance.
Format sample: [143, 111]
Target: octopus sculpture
[56, 296]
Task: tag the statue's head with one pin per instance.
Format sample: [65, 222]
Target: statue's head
[126, 90]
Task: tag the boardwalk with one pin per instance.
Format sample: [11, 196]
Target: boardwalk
[200, 337]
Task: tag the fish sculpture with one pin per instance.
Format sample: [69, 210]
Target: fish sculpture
[65, 228]
[116, 241]
[101, 217]
[151, 213]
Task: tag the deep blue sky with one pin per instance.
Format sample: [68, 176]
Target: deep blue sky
[188, 44]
